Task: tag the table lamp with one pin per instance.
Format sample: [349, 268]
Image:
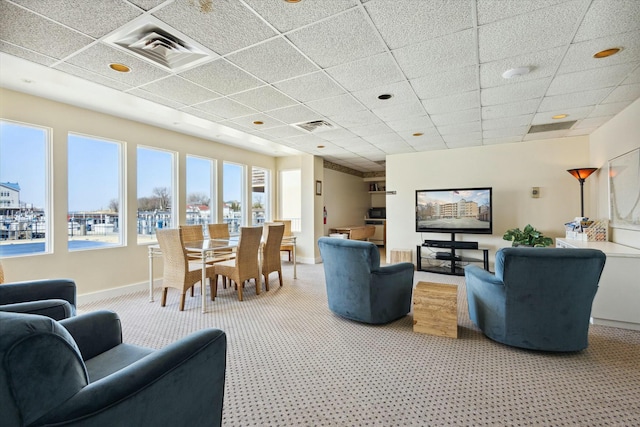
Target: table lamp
[581, 175]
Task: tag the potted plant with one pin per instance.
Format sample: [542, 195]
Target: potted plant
[527, 237]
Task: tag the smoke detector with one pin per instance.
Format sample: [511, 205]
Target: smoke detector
[154, 41]
[516, 72]
[315, 126]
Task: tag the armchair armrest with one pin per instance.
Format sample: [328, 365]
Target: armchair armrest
[94, 332]
[56, 309]
[38, 290]
[186, 376]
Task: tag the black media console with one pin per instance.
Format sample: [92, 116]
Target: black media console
[447, 261]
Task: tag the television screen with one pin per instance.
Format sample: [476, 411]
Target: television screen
[456, 210]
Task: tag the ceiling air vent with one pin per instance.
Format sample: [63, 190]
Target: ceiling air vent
[315, 126]
[160, 44]
[548, 127]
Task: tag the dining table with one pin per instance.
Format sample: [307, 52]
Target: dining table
[207, 250]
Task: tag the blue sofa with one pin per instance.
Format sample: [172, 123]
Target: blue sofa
[358, 288]
[77, 372]
[539, 298]
[55, 298]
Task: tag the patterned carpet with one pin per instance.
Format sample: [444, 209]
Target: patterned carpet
[291, 362]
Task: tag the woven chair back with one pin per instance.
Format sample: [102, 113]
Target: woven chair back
[218, 231]
[173, 254]
[192, 233]
[248, 246]
[271, 249]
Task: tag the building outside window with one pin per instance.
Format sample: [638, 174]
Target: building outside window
[233, 195]
[200, 190]
[156, 192]
[25, 190]
[260, 186]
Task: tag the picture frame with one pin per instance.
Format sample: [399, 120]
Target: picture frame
[318, 188]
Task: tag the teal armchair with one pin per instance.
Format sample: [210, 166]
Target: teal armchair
[538, 299]
[54, 298]
[358, 288]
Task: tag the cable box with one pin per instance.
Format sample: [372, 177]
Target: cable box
[455, 244]
[446, 256]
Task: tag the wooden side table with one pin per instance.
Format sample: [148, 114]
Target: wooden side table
[401, 255]
[435, 309]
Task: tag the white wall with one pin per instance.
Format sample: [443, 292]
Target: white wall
[346, 199]
[618, 136]
[97, 270]
[511, 169]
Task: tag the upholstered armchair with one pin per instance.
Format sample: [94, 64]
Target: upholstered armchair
[55, 298]
[358, 288]
[78, 372]
[539, 298]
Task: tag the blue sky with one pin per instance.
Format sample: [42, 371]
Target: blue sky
[93, 179]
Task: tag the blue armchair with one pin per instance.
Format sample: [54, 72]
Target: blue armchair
[55, 298]
[78, 372]
[539, 298]
[358, 288]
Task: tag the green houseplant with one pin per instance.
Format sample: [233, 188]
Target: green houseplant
[527, 237]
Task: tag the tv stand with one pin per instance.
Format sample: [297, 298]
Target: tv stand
[451, 264]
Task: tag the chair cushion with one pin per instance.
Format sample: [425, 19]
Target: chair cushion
[115, 359]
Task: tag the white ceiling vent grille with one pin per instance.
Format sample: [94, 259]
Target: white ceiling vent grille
[160, 44]
[548, 127]
[315, 126]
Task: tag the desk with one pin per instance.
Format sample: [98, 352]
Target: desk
[207, 249]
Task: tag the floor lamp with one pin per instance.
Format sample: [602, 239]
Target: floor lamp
[581, 175]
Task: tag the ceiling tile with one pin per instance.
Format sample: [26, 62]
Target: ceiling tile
[156, 98]
[463, 140]
[459, 128]
[634, 77]
[458, 117]
[400, 111]
[578, 132]
[436, 55]
[511, 109]
[507, 122]
[98, 57]
[545, 135]
[514, 92]
[91, 76]
[353, 143]
[573, 100]
[335, 105]
[264, 98]
[447, 104]
[403, 23]
[223, 29]
[180, 90]
[447, 83]
[202, 114]
[310, 87]
[342, 39]
[397, 148]
[572, 114]
[221, 76]
[542, 64]
[14, 20]
[357, 118]
[602, 18]
[495, 10]
[294, 114]
[417, 124]
[273, 61]
[538, 30]
[429, 136]
[596, 78]
[288, 16]
[501, 140]
[147, 4]
[511, 133]
[88, 17]
[283, 132]
[579, 57]
[609, 109]
[26, 54]
[592, 122]
[335, 134]
[267, 122]
[369, 130]
[368, 72]
[623, 93]
[384, 138]
[226, 108]
[401, 92]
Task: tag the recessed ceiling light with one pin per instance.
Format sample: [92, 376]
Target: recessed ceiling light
[385, 96]
[516, 72]
[418, 134]
[320, 146]
[607, 52]
[258, 122]
[292, 1]
[121, 68]
[559, 116]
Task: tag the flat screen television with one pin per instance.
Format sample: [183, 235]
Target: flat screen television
[454, 210]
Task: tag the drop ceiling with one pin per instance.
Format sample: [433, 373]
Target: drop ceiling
[266, 66]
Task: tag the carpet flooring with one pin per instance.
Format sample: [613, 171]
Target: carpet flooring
[292, 362]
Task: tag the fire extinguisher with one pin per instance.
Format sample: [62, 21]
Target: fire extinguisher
[324, 214]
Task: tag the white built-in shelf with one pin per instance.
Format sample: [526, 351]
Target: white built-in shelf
[375, 179]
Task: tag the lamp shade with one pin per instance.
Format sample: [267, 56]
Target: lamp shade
[582, 173]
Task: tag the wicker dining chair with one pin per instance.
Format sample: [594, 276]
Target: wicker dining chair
[192, 233]
[221, 231]
[179, 273]
[286, 247]
[271, 252]
[245, 266]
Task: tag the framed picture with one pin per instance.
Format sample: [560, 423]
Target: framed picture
[624, 190]
[318, 188]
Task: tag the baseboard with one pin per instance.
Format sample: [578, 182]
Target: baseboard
[616, 324]
[113, 292]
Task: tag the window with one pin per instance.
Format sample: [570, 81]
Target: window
[232, 195]
[259, 196]
[25, 211]
[291, 197]
[155, 192]
[94, 218]
[200, 186]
